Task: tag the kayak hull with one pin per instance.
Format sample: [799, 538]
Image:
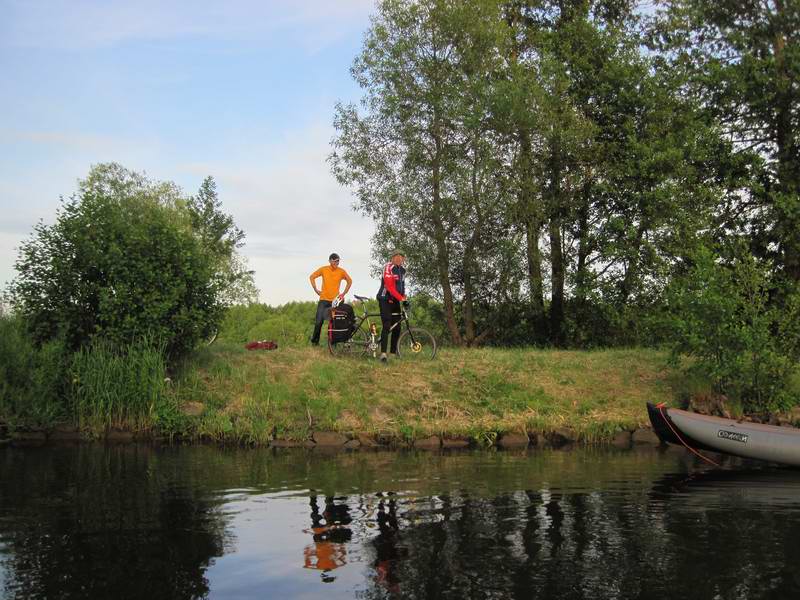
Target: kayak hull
[728, 436]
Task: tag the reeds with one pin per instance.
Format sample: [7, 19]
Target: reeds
[118, 387]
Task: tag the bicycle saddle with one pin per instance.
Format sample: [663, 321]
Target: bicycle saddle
[361, 298]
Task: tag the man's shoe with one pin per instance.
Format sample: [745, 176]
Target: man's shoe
[383, 358]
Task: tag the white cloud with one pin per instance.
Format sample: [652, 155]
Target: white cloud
[280, 193]
[72, 141]
[97, 23]
[294, 214]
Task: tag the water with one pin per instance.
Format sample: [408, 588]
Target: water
[192, 522]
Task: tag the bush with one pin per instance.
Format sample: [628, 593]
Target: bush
[741, 325]
[125, 258]
[289, 324]
[32, 378]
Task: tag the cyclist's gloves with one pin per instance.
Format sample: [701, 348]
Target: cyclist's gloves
[405, 304]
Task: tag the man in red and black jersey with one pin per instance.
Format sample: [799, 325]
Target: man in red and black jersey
[390, 294]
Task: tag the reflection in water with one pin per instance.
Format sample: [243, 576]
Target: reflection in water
[330, 532]
[388, 553]
[83, 523]
[202, 522]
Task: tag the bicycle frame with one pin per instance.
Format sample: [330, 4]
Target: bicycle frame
[372, 330]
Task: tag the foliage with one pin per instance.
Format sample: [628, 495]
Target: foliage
[420, 158]
[118, 387]
[723, 315]
[221, 237]
[125, 259]
[521, 149]
[32, 378]
[741, 59]
[99, 386]
[291, 324]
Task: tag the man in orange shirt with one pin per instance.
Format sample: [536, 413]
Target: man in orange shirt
[332, 276]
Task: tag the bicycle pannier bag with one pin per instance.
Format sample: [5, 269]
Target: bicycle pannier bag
[341, 324]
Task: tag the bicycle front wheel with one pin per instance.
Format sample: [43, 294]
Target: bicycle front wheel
[416, 344]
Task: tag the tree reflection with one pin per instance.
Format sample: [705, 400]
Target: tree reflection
[130, 522]
[542, 544]
[75, 536]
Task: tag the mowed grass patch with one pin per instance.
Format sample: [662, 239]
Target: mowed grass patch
[291, 392]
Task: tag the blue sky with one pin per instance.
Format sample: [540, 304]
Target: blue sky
[240, 90]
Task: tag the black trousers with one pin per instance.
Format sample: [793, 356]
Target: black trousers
[390, 314]
[323, 308]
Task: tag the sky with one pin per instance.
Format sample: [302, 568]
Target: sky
[242, 90]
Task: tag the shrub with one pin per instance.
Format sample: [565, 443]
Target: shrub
[741, 325]
[32, 378]
[126, 258]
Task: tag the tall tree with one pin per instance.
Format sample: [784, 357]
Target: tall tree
[123, 260]
[222, 238]
[742, 59]
[608, 148]
[420, 155]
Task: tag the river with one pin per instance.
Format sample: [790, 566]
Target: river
[93, 521]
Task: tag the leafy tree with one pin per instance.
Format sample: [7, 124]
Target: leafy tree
[603, 149]
[122, 260]
[742, 60]
[221, 237]
[421, 156]
[723, 317]
[32, 379]
[541, 170]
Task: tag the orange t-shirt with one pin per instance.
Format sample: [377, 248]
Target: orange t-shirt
[331, 281]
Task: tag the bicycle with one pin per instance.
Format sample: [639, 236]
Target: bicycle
[414, 344]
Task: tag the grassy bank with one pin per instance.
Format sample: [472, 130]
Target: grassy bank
[468, 393]
[227, 393]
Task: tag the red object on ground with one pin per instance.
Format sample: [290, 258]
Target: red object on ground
[261, 345]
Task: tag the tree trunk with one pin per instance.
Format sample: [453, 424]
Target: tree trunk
[584, 246]
[440, 239]
[533, 227]
[626, 287]
[788, 152]
[469, 316]
[469, 260]
[557, 265]
[557, 275]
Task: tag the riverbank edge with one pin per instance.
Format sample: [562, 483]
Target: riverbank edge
[559, 438]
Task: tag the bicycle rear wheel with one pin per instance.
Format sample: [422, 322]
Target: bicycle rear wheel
[357, 344]
[416, 345]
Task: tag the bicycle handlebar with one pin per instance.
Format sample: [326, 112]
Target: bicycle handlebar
[403, 310]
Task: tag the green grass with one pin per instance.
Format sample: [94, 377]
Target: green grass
[255, 396]
[118, 388]
[473, 393]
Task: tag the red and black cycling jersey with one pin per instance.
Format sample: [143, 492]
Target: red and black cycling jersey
[393, 283]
